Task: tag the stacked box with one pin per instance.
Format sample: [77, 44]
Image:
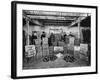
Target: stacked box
[45, 46]
[45, 40]
[76, 48]
[45, 51]
[51, 50]
[38, 51]
[37, 41]
[71, 40]
[65, 49]
[66, 39]
[57, 37]
[70, 48]
[60, 43]
[84, 48]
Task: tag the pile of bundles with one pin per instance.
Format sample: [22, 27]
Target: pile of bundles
[38, 48]
[51, 50]
[69, 58]
[69, 48]
[49, 58]
[45, 47]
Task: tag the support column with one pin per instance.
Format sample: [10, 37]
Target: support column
[79, 29]
[27, 25]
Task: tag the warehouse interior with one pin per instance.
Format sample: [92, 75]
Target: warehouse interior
[53, 39]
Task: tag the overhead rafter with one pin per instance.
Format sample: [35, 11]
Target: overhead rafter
[32, 20]
[52, 13]
[52, 17]
[78, 20]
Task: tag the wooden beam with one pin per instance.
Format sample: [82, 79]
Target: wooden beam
[53, 13]
[32, 20]
[78, 20]
[52, 17]
[27, 25]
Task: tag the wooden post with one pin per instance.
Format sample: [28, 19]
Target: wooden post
[27, 25]
[79, 29]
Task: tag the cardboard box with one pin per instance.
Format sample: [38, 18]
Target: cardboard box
[84, 48]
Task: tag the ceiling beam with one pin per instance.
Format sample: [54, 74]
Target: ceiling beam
[32, 20]
[78, 20]
[52, 17]
[53, 13]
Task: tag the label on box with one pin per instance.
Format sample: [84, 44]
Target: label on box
[58, 48]
[30, 50]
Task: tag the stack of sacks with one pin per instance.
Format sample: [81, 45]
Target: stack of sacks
[38, 51]
[77, 52]
[45, 41]
[45, 49]
[30, 50]
[66, 39]
[57, 37]
[70, 49]
[83, 51]
[51, 50]
[65, 48]
[52, 38]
